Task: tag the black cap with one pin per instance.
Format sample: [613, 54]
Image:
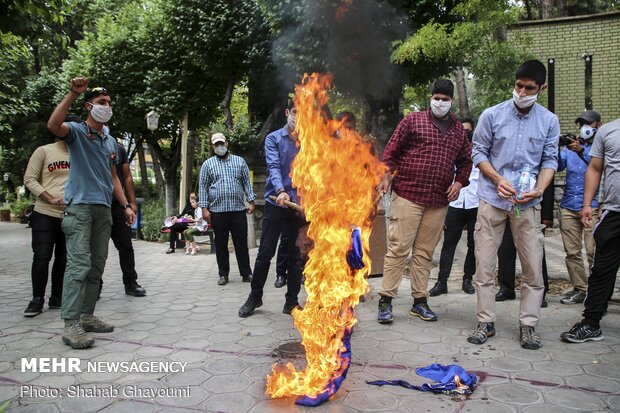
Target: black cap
[94, 92]
[588, 117]
[443, 86]
[532, 69]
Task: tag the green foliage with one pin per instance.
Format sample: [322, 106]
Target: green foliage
[474, 40]
[153, 215]
[18, 206]
[242, 138]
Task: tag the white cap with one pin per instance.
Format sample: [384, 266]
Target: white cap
[217, 137]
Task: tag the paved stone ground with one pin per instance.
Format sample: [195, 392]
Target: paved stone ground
[187, 317]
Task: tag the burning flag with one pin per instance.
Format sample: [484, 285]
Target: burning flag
[336, 180]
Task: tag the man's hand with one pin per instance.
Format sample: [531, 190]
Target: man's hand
[282, 197]
[528, 196]
[586, 216]
[453, 191]
[206, 214]
[575, 146]
[384, 184]
[130, 217]
[79, 85]
[505, 189]
[251, 207]
[134, 207]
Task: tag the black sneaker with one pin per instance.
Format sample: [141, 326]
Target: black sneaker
[580, 333]
[530, 340]
[35, 307]
[248, 308]
[439, 289]
[574, 297]
[481, 333]
[55, 303]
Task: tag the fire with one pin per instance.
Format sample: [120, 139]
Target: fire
[336, 179]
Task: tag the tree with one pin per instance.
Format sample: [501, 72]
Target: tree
[476, 41]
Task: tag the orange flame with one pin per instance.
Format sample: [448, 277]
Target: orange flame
[336, 180]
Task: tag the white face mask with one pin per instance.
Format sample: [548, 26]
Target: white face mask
[587, 132]
[523, 101]
[101, 113]
[440, 108]
[220, 150]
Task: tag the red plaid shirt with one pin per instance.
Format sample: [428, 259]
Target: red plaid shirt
[427, 163]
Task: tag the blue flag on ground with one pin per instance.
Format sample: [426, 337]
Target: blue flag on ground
[444, 377]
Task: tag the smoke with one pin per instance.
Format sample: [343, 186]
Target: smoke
[352, 39]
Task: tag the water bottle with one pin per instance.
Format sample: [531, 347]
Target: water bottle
[524, 181]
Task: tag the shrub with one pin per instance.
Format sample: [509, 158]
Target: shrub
[153, 215]
[17, 207]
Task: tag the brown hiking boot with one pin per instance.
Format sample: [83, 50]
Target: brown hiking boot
[75, 336]
[94, 324]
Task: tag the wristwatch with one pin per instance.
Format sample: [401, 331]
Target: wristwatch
[127, 206]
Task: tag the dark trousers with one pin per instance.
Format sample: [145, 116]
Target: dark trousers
[175, 230]
[275, 220]
[456, 220]
[602, 278]
[282, 258]
[507, 257]
[121, 236]
[47, 238]
[234, 223]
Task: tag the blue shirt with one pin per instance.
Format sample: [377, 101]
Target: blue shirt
[280, 151]
[509, 140]
[224, 184]
[92, 156]
[575, 177]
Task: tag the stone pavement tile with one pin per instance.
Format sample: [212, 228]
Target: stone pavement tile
[594, 384]
[543, 408]
[196, 396]
[614, 403]
[610, 371]
[574, 400]
[537, 380]
[514, 394]
[130, 406]
[558, 368]
[33, 408]
[225, 365]
[231, 402]
[83, 404]
[372, 399]
[226, 383]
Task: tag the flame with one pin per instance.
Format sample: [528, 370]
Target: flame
[457, 380]
[336, 180]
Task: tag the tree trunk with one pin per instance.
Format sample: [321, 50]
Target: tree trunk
[380, 119]
[144, 176]
[561, 8]
[546, 9]
[461, 89]
[528, 10]
[225, 105]
[159, 179]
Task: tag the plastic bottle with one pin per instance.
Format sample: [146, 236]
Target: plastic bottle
[524, 181]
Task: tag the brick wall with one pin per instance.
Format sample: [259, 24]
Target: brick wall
[566, 40]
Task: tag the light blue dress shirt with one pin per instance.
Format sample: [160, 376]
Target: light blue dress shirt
[509, 140]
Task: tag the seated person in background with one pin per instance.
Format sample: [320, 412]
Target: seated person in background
[200, 225]
[179, 227]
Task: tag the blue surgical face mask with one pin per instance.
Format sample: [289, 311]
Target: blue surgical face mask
[587, 132]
